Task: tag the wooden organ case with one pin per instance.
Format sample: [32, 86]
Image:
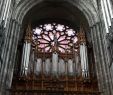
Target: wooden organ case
[56, 60]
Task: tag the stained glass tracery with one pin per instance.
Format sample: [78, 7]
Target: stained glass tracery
[53, 35]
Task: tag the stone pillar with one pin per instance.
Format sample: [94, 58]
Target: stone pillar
[2, 4]
[10, 69]
[109, 38]
[105, 58]
[101, 58]
[3, 55]
[96, 56]
[8, 54]
[11, 61]
[4, 28]
[2, 37]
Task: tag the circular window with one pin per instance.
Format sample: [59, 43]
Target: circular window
[57, 37]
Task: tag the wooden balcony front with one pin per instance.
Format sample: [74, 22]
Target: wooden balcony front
[49, 85]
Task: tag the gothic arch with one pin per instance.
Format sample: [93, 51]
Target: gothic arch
[85, 7]
[89, 11]
[24, 9]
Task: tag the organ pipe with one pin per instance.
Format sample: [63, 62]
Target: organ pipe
[25, 57]
[70, 67]
[55, 64]
[61, 67]
[47, 66]
[31, 63]
[83, 55]
[77, 67]
[26, 52]
[38, 66]
[84, 60]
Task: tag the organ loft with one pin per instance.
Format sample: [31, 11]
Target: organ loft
[55, 60]
[56, 47]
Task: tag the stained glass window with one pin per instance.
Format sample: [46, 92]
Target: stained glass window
[49, 36]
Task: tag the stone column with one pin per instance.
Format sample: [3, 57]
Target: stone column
[3, 53]
[11, 62]
[102, 60]
[1, 30]
[8, 47]
[2, 4]
[4, 30]
[2, 37]
[106, 57]
[96, 56]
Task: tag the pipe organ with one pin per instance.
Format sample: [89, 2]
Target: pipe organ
[55, 60]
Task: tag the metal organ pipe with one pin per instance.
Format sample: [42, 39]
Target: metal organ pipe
[61, 67]
[31, 63]
[87, 66]
[22, 62]
[84, 57]
[26, 49]
[25, 57]
[28, 54]
[70, 67]
[76, 64]
[47, 66]
[81, 57]
[38, 66]
[84, 60]
[54, 64]
[25, 60]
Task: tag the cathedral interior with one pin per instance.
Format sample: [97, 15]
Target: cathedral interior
[56, 47]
